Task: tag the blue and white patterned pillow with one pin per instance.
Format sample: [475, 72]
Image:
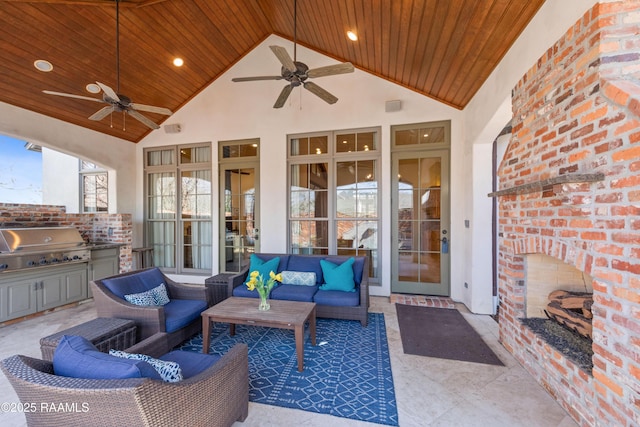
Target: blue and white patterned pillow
[160, 294]
[155, 296]
[169, 371]
[303, 278]
[143, 298]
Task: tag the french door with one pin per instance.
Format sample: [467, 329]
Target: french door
[239, 207]
[420, 236]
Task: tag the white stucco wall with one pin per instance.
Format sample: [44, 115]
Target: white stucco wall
[59, 184]
[228, 111]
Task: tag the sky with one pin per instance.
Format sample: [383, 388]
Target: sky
[20, 172]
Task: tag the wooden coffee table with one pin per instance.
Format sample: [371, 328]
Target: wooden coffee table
[244, 311]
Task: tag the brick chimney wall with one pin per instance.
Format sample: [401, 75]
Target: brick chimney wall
[576, 113]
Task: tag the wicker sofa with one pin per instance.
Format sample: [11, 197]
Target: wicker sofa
[334, 304]
[180, 318]
[217, 396]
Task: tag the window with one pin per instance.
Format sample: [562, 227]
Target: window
[178, 196]
[93, 188]
[334, 194]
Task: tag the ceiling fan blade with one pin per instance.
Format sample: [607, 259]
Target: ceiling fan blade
[151, 109]
[331, 70]
[69, 95]
[101, 113]
[108, 91]
[284, 58]
[321, 93]
[142, 119]
[282, 98]
[251, 79]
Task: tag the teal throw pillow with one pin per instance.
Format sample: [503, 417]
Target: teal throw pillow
[169, 371]
[302, 278]
[338, 277]
[263, 267]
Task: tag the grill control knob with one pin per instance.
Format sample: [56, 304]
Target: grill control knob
[3, 266]
[43, 261]
[66, 258]
[54, 260]
[76, 257]
[31, 263]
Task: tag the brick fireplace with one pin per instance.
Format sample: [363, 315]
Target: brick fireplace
[570, 190]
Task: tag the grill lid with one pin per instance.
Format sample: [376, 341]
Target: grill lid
[35, 239]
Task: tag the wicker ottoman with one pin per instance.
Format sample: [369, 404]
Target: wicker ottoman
[105, 333]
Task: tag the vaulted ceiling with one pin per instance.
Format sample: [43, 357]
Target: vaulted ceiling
[443, 49]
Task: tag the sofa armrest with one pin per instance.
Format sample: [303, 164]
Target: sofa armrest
[149, 319]
[155, 346]
[237, 280]
[187, 291]
[222, 388]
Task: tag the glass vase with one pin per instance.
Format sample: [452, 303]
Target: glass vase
[264, 303]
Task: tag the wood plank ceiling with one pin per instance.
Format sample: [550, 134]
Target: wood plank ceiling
[444, 49]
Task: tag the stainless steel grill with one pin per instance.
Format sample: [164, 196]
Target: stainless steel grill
[37, 247]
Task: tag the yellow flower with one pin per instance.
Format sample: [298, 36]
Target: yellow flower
[254, 274]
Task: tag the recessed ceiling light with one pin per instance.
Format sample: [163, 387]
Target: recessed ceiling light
[352, 35]
[92, 88]
[178, 62]
[42, 65]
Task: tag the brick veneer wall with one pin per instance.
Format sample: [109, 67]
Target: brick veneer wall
[576, 111]
[93, 227]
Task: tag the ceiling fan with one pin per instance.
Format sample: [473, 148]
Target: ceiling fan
[297, 73]
[118, 102]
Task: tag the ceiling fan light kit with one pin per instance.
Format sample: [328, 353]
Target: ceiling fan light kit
[297, 73]
[117, 102]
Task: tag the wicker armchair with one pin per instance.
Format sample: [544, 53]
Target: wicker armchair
[218, 396]
[150, 319]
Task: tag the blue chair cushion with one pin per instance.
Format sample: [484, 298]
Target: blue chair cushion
[134, 283]
[337, 298]
[294, 293]
[178, 313]
[263, 267]
[190, 363]
[77, 357]
[338, 277]
[310, 264]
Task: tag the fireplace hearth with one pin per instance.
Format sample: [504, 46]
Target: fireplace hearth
[573, 346]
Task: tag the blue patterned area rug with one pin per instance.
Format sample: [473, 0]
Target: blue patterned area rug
[347, 374]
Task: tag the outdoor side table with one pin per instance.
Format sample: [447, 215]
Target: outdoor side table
[105, 333]
[218, 286]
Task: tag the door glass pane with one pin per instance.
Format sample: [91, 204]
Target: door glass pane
[419, 229]
[239, 212]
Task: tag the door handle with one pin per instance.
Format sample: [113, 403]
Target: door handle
[445, 245]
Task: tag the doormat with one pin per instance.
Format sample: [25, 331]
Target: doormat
[442, 333]
[347, 374]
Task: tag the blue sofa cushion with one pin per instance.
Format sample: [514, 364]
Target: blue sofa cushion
[77, 357]
[134, 283]
[181, 312]
[190, 363]
[337, 298]
[302, 263]
[263, 267]
[338, 277]
[294, 293]
[242, 291]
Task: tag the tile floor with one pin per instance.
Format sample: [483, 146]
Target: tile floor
[429, 391]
